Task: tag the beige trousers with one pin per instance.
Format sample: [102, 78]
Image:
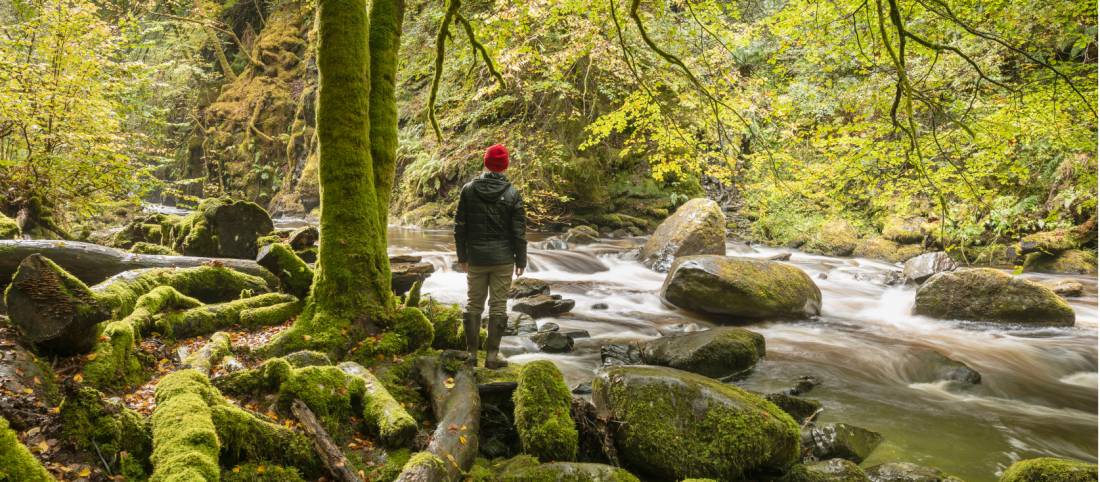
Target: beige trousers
[488, 281]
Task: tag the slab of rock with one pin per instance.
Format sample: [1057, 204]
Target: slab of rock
[803, 385]
[836, 237]
[524, 287]
[839, 440]
[907, 472]
[832, 470]
[797, 407]
[406, 270]
[1073, 261]
[779, 257]
[581, 235]
[716, 353]
[697, 227]
[520, 324]
[620, 354]
[541, 306]
[904, 230]
[922, 267]
[303, 237]
[1065, 288]
[927, 366]
[704, 428]
[553, 341]
[985, 294]
[567, 471]
[741, 288]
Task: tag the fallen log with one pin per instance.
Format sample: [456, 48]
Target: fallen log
[58, 313]
[211, 352]
[208, 318]
[394, 424]
[93, 263]
[326, 449]
[457, 409]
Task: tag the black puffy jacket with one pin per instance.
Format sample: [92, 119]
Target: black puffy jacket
[490, 223]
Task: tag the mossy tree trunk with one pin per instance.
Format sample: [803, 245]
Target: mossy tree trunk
[357, 146]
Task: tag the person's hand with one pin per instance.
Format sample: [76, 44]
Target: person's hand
[519, 270]
[462, 267]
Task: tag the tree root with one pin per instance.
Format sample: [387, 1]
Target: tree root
[457, 408]
[208, 318]
[330, 453]
[211, 352]
[394, 424]
[16, 462]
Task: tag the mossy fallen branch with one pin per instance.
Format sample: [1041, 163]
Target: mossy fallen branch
[205, 319]
[16, 462]
[542, 414]
[203, 359]
[94, 423]
[380, 410]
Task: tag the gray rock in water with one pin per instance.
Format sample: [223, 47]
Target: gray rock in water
[924, 266]
[1065, 288]
[779, 257]
[307, 358]
[798, 408]
[984, 294]
[907, 472]
[553, 341]
[525, 287]
[583, 389]
[540, 306]
[551, 244]
[741, 288]
[717, 353]
[678, 329]
[839, 440]
[926, 366]
[697, 227]
[303, 237]
[548, 326]
[581, 235]
[620, 354]
[520, 324]
[804, 384]
[600, 306]
[832, 470]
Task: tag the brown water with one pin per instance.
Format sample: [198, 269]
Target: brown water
[1038, 395]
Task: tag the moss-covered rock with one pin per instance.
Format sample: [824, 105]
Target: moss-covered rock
[542, 416]
[447, 323]
[835, 237]
[1073, 261]
[581, 235]
[833, 470]
[295, 277]
[221, 228]
[1050, 242]
[839, 440]
[885, 249]
[741, 288]
[986, 294]
[1050, 469]
[143, 247]
[16, 462]
[8, 228]
[326, 390]
[567, 472]
[797, 407]
[716, 353]
[677, 424]
[904, 230]
[697, 227]
[307, 358]
[907, 472]
[93, 423]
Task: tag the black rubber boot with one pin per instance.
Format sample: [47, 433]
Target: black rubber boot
[492, 344]
[472, 325]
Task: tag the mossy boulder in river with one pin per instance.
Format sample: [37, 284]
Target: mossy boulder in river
[542, 417]
[922, 267]
[675, 424]
[836, 237]
[741, 288]
[879, 248]
[833, 470]
[1050, 469]
[697, 227]
[985, 294]
[567, 472]
[1073, 261]
[715, 353]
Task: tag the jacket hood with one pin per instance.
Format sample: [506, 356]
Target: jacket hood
[491, 186]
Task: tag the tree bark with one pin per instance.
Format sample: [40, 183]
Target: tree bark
[394, 424]
[92, 263]
[330, 453]
[457, 409]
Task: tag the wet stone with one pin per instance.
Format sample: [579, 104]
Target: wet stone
[839, 440]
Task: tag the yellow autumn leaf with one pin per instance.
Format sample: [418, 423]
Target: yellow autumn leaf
[85, 472]
[42, 446]
[79, 377]
[449, 382]
[260, 469]
[90, 357]
[28, 390]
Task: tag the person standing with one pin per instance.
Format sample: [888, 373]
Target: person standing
[491, 240]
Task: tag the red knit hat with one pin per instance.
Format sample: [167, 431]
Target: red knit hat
[496, 158]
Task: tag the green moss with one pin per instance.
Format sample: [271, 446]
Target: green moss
[424, 459]
[447, 323]
[269, 239]
[307, 358]
[92, 423]
[265, 377]
[1050, 469]
[261, 472]
[208, 284]
[1053, 242]
[388, 471]
[510, 373]
[411, 330]
[295, 276]
[879, 248]
[270, 315]
[678, 424]
[185, 442]
[16, 462]
[542, 417]
[143, 247]
[8, 228]
[209, 318]
[835, 237]
[567, 472]
[1073, 261]
[381, 411]
[903, 230]
[834, 470]
[209, 354]
[326, 390]
[245, 437]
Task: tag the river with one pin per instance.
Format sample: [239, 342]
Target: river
[1038, 395]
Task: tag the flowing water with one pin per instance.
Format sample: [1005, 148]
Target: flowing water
[1038, 395]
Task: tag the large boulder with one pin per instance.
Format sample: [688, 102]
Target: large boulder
[1073, 261]
[835, 237]
[904, 230]
[542, 418]
[839, 440]
[525, 287]
[907, 472]
[581, 235]
[697, 227]
[922, 267]
[928, 366]
[985, 294]
[741, 288]
[1050, 242]
[675, 424]
[716, 353]
[879, 248]
[222, 228]
[1050, 469]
